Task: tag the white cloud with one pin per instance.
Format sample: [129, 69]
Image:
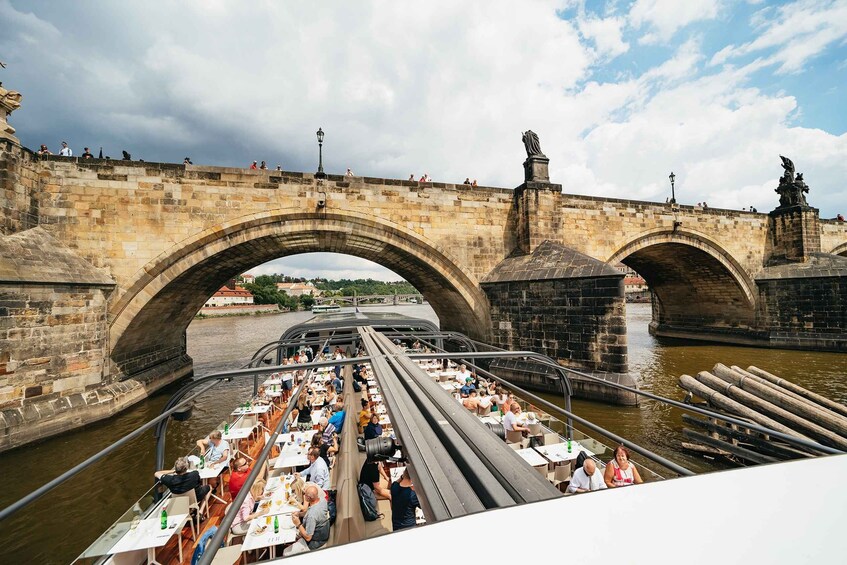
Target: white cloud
[665, 17]
[793, 34]
[326, 265]
[606, 33]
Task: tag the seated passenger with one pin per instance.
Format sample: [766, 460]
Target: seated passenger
[465, 391]
[180, 480]
[463, 375]
[587, 478]
[240, 471]
[325, 430]
[471, 402]
[372, 474]
[337, 419]
[317, 472]
[403, 503]
[214, 449]
[510, 420]
[373, 429]
[620, 471]
[338, 384]
[327, 449]
[241, 523]
[313, 530]
[364, 416]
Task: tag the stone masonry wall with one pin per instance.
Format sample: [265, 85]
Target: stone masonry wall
[18, 189]
[53, 340]
[580, 322]
[805, 312]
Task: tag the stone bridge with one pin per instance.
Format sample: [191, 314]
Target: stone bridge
[356, 299]
[103, 264]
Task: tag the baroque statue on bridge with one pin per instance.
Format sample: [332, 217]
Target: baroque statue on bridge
[531, 143]
[791, 190]
[9, 102]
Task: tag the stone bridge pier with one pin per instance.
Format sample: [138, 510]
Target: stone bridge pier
[103, 264]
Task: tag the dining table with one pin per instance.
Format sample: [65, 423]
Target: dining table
[149, 535]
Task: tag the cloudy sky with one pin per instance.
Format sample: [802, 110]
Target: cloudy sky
[620, 92]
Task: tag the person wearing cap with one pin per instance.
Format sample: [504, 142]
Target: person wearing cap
[466, 389]
[66, 151]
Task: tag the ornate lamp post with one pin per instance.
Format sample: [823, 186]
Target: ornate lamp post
[320, 174]
[673, 195]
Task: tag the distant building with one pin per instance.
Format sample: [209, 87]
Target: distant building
[635, 284]
[298, 289]
[248, 279]
[230, 295]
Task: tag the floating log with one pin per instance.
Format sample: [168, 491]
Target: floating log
[737, 450]
[783, 390]
[823, 418]
[752, 401]
[814, 397]
[718, 400]
[705, 450]
[766, 446]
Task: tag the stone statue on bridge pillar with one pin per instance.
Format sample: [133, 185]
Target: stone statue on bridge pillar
[536, 164]
[9, 102]
[791, 190]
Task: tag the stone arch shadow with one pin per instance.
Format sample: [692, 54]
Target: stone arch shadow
[840, 249]
[698, 287]
[148, 320]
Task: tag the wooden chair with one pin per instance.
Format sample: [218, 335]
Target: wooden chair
[560, 474]
[535, 429]
[201, 509]
[551, 439]
[228, 555]
[514, 437]
[542, 469]
[179, 505]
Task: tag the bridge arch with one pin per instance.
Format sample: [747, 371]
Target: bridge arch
[840, 249]
[149, 318]
[696, 283]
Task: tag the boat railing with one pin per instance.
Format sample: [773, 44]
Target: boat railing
[601, 452]
[148, 505]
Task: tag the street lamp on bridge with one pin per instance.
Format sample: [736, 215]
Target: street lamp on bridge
[673, 195]
[320, 174]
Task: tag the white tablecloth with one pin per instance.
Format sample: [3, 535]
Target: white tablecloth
[149, 533]
[531, 456]
[558, 452]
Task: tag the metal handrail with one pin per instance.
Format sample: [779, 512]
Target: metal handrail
[44, 489]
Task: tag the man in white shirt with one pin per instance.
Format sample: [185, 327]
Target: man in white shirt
[317, 472]
[463, 375]
[66, 151]
[214, 448]
[587, 478]
[510, 420]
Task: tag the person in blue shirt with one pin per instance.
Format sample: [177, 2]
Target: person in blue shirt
[373, 429]
[404, 500]
[337, 419]
[467, 388]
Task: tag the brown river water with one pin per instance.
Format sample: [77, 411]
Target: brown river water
[59, 526]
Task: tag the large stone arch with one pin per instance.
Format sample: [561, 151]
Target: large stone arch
[697, 284]
[840, 249]
[148, 319]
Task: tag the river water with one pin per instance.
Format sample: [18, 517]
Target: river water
[58, 527]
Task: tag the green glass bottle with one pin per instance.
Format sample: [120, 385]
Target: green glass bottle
[276, 524]
[164, 519]
[202, 462]
[569, 445]
[226, 428]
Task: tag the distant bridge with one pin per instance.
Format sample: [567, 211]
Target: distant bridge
[356, 300]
